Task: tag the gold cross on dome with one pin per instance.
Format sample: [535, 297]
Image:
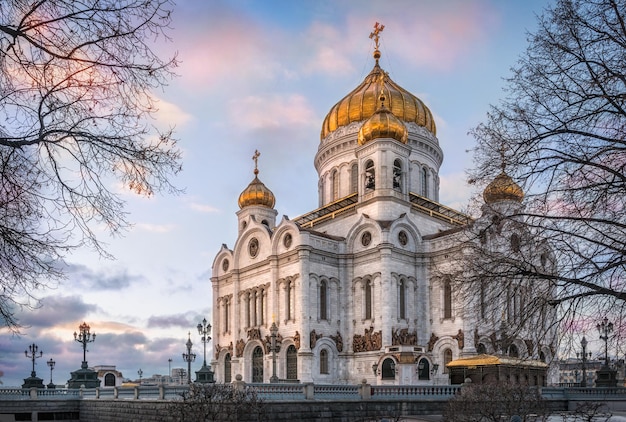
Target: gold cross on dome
[378, 28]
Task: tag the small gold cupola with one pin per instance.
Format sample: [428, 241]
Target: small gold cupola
[503, 188]
[256, 194]
[382, 124]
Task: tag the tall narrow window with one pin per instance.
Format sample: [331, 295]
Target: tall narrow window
[368, 299]
[334, 179]
[483, 302]
[354, 178]
[226, 315]
[292, 363]
[389, 369]
[447, 358]
[262, 306]
[447, 299]
[255, 307]
[370, 175]
[257, 365]
[323, 300]
[247, 301]
[227, 369]
[425, 182]
[323, 361]
[402, 300]
[397, 175]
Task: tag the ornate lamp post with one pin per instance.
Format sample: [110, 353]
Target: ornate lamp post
[84, 337]
[205, 374]
[33, 348]
[33, 353]
[585, 355]
[84, 376]
[606, 377]
[51, 364]
[189, 357]
[604, 328]
[169, 371]
[274, 348]
[140, 372]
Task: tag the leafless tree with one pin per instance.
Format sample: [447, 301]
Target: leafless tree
[217, 402]
[496, 402]
[76, 99]
[560, 132]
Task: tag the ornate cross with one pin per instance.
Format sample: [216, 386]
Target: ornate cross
[255, 157]
[378, 28]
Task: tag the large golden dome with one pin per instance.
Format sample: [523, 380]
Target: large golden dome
[503, 188]
[362, 103]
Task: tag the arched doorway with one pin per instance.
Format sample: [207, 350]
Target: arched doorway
[109, 380]
[423, 369]
[257, 365]
[292, 363]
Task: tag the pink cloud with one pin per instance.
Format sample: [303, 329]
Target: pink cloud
[254, 112]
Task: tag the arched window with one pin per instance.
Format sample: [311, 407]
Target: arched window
[261, 298]
[370, 176]
[227, 370]
[109, 380]
[389, 369]
[323, 300]
[289, 292]
[292, 363]
[447, 299]
[397, 175]
[334, 180]
[513, 352]
[255, 307]
[402, 300]
[423, 369]
[481, 349]
[425, 182]
[447, 358]
[323, 361]
[257, 364]
[368, 299]
[354, 178]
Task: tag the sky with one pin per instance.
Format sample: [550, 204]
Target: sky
[259, 75]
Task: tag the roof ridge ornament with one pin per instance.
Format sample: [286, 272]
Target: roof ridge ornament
[378, 28]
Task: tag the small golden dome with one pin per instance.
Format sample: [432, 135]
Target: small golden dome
[362, 103]
[256, 194]
[383, 124]
[503, 188]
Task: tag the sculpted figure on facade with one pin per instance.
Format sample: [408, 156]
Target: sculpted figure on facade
[296, 340]
[403, 337]
[460, 339]
[314, 337]
[432, 341]
[254, 334]
[338, 341]
[239, 348]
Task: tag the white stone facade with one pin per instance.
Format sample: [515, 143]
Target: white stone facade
[350, 286]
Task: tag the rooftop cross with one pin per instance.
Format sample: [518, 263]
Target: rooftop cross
[255, 157]
[378, 28]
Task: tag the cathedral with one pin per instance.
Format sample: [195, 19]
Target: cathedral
[348, 292]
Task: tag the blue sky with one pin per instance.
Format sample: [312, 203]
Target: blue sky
[260, 75]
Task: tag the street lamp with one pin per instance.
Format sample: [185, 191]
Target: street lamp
[274, 348]
[169, 371]
[51, 364]
[585, 355]
[189, 357]
[204, 330]
[84, 337]
[604, 328]
[140, 372]
[33, 355]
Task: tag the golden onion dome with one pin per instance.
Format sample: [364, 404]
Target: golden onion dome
[382, 124]
[362, 103]
[503, 188]
[256, 193]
